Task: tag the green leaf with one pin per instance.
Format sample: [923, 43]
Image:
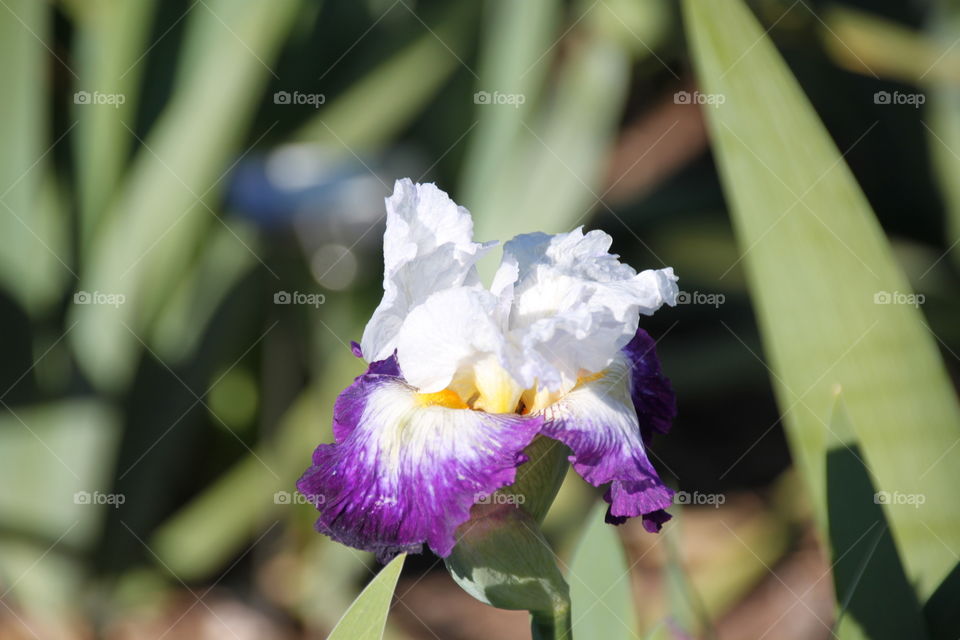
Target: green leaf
[600, 582]
[380, 104]
[160, 216]
[110, 44]
[941, 611]
[820, 273]
[871, 44]
[34, 260]
[871, 586]
[367, 616]
[513, 61]
[944, 123]
[552, 168]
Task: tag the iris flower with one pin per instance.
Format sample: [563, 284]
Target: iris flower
[463, 378]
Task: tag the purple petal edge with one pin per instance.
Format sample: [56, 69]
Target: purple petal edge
[652, 393]
[600, 424]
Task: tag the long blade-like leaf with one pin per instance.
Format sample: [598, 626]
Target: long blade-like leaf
[833, 306]
[34, 261]
[600, 582]
[870, 584]
[151, 232]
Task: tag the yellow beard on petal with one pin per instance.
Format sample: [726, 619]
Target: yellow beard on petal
[446, 398]
[586, 377]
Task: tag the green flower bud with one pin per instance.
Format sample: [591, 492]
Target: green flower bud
[501, 557]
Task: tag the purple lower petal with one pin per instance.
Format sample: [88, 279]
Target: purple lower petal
[651, 391]
[402, 474]
[598, 422]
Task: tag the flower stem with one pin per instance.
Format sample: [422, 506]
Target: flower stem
[557, 626]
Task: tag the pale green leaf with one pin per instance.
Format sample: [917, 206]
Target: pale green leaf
[600, 582]
[34, 260]
[515, 57]
[367, 616]
[110, 45]
[379, 104]
[151, 233]
[821, 275]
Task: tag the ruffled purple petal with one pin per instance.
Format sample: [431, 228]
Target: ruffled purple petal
[402, 474]
[652, 393]
[598, 422]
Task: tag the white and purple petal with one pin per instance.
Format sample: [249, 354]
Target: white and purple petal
[403, 473]
[597, 420]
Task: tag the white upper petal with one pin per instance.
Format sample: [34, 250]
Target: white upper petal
[560, 306]
[449, 333]
[573, 305]
[427, 247]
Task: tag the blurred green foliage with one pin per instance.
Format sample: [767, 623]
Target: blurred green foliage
[158, 193]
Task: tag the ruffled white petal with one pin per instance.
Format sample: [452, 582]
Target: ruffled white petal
[560, 306]
[428, 247]
[573, 305]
